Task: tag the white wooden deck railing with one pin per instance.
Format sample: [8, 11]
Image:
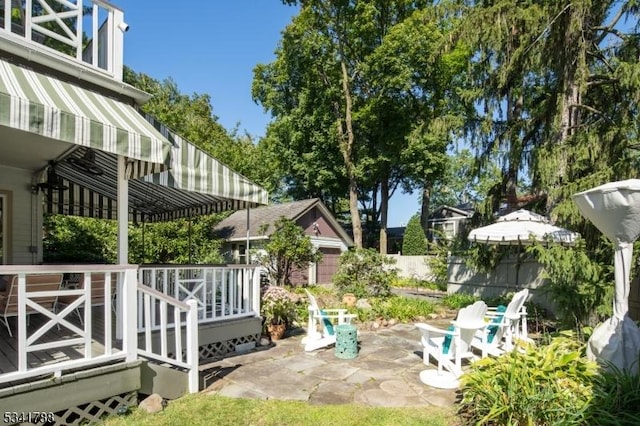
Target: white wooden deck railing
[89, 31]
[95, 350]
[155, 302]
[221, 292]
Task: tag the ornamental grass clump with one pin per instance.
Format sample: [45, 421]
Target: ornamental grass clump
[544, 385]
[616, 398]
[278, 306]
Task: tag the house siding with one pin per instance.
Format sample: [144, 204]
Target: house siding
[24, 217]
[324, 229]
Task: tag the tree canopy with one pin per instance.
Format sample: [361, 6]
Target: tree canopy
[361, 100]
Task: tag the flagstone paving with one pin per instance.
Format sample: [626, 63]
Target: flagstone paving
[384, 374]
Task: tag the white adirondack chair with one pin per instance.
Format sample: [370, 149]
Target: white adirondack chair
[449, 347]
[504, 326]
[321, 325]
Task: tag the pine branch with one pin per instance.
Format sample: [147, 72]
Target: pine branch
[609, 29]
[593, 110]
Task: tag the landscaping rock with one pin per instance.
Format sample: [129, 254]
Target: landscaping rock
[153, 403]
[433, 316]
[363, 304]
[264, 341]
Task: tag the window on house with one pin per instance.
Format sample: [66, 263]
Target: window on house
[444, 230]
[449, 229]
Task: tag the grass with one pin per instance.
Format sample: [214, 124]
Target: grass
[204, 409]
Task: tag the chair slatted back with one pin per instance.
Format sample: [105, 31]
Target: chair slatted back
[34, 283]
[98, 281]
[469, 320]
[513, 309]
[517, 302]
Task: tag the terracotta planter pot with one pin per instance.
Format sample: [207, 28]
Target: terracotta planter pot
[349, 299]
[276, 331]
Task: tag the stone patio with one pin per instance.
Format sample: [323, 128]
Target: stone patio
[384, 374]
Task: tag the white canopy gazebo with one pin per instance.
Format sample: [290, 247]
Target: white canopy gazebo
[522, 227]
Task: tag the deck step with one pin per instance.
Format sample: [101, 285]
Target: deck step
[87, 393]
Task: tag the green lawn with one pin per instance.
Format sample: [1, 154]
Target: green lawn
[217, 410]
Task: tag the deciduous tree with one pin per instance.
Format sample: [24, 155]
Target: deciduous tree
[288, 248]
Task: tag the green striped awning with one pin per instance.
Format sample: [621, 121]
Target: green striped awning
[42, 104]
[195, 184]
[193, 170]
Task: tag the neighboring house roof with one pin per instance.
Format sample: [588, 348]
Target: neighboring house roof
[234, 228]
[437, 213]
[396, 232]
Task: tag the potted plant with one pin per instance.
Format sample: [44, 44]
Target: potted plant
[278, 310]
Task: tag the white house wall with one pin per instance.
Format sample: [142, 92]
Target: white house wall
[25, 217]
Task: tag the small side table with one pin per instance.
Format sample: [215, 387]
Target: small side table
[346, 341]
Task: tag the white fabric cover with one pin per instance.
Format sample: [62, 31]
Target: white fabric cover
[520, 227]
[614, 208]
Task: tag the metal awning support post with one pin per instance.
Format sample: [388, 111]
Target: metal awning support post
[189, 230]
[246, 257]
[123, 238]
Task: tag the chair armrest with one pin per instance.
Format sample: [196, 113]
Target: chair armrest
[431, 329]
[338, 311]
[475, 325]
[338, 316]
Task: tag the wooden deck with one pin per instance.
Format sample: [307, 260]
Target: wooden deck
[9, 345]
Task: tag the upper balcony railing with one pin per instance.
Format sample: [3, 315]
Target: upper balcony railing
[90, 32]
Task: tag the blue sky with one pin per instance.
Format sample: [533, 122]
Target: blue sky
[212, 47]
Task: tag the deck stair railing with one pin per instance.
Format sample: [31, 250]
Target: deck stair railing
[221, 292]
[174, 316]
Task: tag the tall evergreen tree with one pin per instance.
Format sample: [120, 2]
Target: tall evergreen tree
[414, 242]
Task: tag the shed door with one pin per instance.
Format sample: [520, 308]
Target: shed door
[328, 265]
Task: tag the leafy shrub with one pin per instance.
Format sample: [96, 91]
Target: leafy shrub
[458, 300]
[399, 308]
[581, 287]
[438, 259]
[414, 242]
[616, 398]
[288, 248]
[365, 273]
[486, 257]
[552, 384]
[410, 282]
